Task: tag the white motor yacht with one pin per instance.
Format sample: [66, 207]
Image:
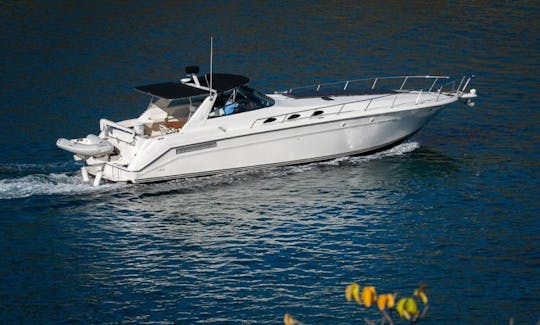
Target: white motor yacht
[215, 123]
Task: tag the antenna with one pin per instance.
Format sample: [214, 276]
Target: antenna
[211, 59]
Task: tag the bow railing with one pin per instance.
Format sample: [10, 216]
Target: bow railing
[395, 83]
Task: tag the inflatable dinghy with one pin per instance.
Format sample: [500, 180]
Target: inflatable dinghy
[90, 146]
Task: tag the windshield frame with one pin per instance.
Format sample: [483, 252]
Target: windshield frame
[238, 100]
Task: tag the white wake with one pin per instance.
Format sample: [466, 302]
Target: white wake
[46, 184]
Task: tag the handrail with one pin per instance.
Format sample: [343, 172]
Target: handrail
[104, 123]
[281, 118]
[125, 134]
[423, 94]
[375, 81]
[318, 108]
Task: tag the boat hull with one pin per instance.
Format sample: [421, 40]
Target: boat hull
[286, 146]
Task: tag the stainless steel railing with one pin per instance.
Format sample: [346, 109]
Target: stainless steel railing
[433, 81]
[372, 83]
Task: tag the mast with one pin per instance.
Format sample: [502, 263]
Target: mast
[211, 60]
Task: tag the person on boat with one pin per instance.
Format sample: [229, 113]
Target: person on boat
[230, 107]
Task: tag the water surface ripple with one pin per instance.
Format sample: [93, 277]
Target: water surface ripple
[456, 207]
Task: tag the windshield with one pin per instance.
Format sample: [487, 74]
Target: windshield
[239, 100]
[180, 108]
[165, 103]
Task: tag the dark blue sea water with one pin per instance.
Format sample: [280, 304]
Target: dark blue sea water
[457, 207]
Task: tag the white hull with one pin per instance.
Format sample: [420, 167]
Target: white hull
[290, 146]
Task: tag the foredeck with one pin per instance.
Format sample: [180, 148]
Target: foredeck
[310, 93]
[379, 86]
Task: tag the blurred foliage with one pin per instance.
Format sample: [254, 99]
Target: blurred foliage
[406, 307]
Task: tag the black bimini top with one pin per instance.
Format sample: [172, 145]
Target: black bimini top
[174, 90]
[223, 81]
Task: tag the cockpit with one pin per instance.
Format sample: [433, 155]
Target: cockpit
[239, 100]
[173, 104]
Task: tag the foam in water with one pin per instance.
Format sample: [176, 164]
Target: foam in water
[398, 150]
[20, 169]
[46, 184]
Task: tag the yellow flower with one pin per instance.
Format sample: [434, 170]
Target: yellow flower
[381, 302]
[386, 301]
[369, 295]
[420, 293]
[391, 300]
[407, 308]
[353, 291]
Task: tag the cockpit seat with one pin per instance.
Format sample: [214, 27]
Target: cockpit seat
[175, 124]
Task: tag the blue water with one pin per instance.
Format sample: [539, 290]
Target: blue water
[457, 207]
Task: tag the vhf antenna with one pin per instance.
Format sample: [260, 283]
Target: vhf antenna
[211, 59]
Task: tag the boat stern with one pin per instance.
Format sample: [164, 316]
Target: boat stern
[105, 156]
[105, 170]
